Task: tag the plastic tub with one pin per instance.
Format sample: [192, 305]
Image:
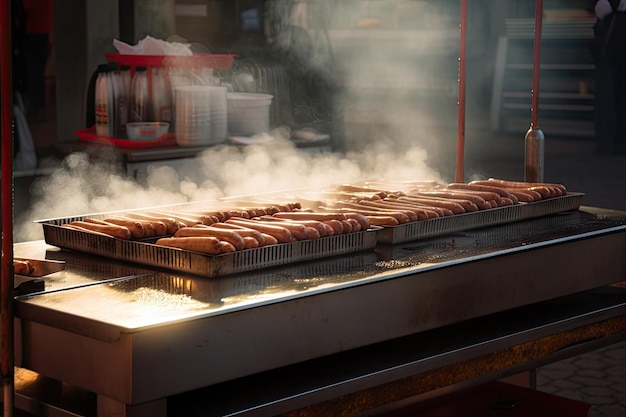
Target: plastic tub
[146, 130]
[248, 113]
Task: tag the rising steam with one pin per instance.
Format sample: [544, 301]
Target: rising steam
[85, 185]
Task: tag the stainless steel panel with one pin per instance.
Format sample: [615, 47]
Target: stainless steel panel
[143, 338]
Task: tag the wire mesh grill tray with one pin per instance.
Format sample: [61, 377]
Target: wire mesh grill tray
[200, 264]
[460, 222]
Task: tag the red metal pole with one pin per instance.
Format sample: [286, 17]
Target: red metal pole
[6, 273]
[534, 141]
[536, 63]
[460, 142]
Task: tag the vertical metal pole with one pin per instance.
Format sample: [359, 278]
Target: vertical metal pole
[535, 140]
[460, 142]
[6, 273]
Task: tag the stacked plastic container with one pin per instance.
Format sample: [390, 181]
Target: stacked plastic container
[144, 88]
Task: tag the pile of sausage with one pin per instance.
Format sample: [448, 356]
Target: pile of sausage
[343, 209]
[414, 201]
[219, 232]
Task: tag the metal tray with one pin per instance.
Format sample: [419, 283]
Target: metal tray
[491, 217]
[200, 264]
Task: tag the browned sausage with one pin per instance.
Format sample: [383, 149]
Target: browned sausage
[459, 195]
[269, 239]
[136, 228]
[114, 230]
[226, 247]
[281, 234]
[230, 236]
[23, 267]
[454, 207]
[82, 229]
[305, 215]
[369, 211]
[524, 196]
[313, 233]
[414, 213]
[243, 231]
[356, 226]
[528, 185]
[308, 223]
[250, 242]
[363, 222]
[481, 186]
[171, 225]
[203, 244]
[336, 225]
[382, 220]
[299, 231]
[347, 226]
[185, 221]
[467, 205]
[440, 211]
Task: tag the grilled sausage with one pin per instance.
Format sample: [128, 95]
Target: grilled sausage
[230, 236]
[562, 190]
[363, 222]
[459, 196]
[299, 231]
[305, 215]
[454, 207]
[203, 244]
[243, 232]
[136, 228]
[383, 220]
[171, 225]
[184, 220]
[82, 229]
[281, 234]
[114, 230]
[321, 228]
[23, 267]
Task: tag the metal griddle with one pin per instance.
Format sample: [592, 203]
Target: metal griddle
[151, 334]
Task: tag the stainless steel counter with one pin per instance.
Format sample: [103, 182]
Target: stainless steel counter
[136, 336]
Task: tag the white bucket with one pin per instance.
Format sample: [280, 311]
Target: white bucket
[248, 113]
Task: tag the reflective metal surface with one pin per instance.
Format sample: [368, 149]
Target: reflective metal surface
[136, 338]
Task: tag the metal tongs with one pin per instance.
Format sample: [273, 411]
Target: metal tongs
[34, 283]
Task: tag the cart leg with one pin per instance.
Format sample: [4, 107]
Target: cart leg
[108, 407]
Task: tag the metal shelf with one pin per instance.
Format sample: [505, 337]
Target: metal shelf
[568, 77]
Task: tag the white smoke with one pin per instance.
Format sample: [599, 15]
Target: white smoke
[387, 138]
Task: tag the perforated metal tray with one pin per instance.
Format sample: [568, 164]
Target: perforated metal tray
[146, 253]
[491, 217]
[207, 265]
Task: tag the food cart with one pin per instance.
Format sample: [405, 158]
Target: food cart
[132, 331]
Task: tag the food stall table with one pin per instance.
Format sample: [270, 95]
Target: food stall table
[350, 333]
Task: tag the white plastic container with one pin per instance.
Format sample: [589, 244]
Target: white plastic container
[248, 113]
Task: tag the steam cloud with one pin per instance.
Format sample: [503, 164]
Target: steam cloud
[84, 186]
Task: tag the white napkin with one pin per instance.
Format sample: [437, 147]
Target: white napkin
[152, 46]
